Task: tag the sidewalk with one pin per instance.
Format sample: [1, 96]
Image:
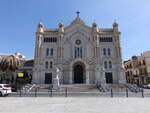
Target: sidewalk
[74, 105]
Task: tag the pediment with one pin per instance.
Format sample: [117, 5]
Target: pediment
[78, 30]
[78, 33]
[77, 23]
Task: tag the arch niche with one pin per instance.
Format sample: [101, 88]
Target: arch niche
[79, 73]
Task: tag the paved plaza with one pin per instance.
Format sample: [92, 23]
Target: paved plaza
[73, 105]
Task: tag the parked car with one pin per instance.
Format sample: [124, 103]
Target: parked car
[5, 89]
[144, 86]
[148, 86]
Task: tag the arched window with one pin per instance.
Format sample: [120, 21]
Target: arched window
[51, 53]
[136, 72]
[109, 52]
[47, 52]
[46, 65]
[104, 51]
[51, 65]
[50, 39]
[81, 52]
[143, 62]
[75, 52]
[105, 64]
[78, 52]
[78, 49]
[110, 64]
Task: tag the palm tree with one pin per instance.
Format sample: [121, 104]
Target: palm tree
[8, 65]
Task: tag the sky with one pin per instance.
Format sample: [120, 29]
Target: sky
[19, 19]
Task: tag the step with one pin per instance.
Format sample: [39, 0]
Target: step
[70, 88]
[79, 87]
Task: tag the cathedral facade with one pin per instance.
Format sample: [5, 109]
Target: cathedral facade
[83, 54]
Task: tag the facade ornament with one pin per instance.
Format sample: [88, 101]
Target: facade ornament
[115, 26]
[40, 27]
[56, 83]
[61, 28]
[95, 28]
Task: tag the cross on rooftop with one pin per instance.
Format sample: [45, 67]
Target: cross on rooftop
[78, 12]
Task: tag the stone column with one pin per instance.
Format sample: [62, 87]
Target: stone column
[57, 52]
[100, 76]
[103, 78]
[34, 77]
[60, 76]
[61, 51]
[70, 77]
[87, 76]
[97, 76]
[95, 52]
[122, 79]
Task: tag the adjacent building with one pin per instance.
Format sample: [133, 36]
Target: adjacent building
[138, 69]
[84, 54]
[25, 66]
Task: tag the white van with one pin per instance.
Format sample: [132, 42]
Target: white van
[5, 89]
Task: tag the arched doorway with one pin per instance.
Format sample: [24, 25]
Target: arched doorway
[79, 73]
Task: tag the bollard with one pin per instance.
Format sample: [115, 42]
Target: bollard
[35, 92]
[20, 94]
[66, 95]
[51, 92]
[142, 91]
[126, 92]
[111, 93]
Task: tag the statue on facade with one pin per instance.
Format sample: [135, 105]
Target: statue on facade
[56, 82]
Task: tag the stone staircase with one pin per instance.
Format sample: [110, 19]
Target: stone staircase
[41, 87]
[27, 87]
[116, 87]
[79, 88]
[69, 87]
[133, 88]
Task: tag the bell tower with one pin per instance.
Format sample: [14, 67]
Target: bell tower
[39, 37]
[60, 49]
[95, 35]
[38, 52]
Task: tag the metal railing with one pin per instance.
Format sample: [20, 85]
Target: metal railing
[53, 93]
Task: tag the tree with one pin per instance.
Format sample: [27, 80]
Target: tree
[8, 65]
